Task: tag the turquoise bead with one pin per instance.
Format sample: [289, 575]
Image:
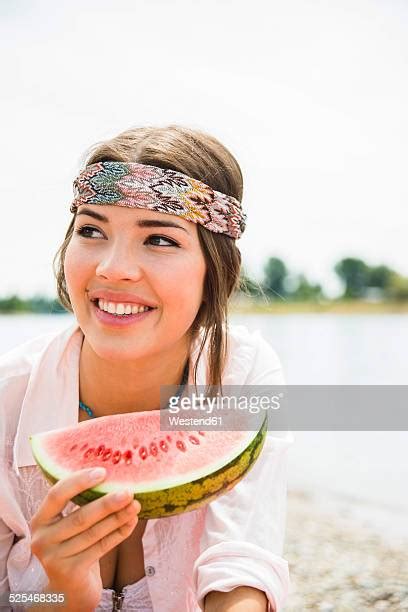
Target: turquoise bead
[87, 409]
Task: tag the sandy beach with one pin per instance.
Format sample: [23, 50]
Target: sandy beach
[339, 565]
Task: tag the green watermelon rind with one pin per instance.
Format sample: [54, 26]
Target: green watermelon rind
[186, 497]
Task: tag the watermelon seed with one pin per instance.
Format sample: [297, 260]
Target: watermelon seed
[201, 433]
[163, 446]
[153, 449]
[180, 444]
[100, 450]
[127, 455]
[194, 440]
[89, 452]
[143, 452]
[73, 447]
[83, 447]
[116, 456]
[106, 455]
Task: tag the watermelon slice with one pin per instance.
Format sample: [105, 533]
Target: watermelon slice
[168, 472]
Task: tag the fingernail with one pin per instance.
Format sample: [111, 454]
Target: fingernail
[137, 505]
[122, 495]
[97, 474]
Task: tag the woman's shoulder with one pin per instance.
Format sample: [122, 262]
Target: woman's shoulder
[19, 360]
[242, 338]
[15, 370]
[250, 354]
[20, 369]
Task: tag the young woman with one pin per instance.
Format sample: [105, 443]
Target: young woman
[147, 266]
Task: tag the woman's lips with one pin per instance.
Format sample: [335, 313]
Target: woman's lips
[119, 320]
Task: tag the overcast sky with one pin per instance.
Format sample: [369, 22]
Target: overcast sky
[311, 97]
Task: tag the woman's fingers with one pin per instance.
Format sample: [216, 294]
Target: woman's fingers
[107, 543]
[100, 533]
[87, 516]
[71, 546]
[62, 492]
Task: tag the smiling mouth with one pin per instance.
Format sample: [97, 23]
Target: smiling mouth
[120, 309]
[116, 320]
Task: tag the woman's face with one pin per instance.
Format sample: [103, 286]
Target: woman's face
[154, 258]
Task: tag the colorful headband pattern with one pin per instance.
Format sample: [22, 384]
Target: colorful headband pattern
[167, 191]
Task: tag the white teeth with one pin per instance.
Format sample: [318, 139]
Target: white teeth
[120, 308]
[111, 308]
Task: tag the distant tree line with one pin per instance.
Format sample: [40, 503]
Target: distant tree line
[36, 304]
[360, 281]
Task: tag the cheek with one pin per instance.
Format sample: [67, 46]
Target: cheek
[183, 289]
[69, 268]
[75, 270]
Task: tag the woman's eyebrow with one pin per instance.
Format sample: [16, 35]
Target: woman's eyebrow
[140, 223]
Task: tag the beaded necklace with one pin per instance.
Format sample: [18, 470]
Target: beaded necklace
[184, 380]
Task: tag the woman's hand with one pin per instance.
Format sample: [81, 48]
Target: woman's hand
[69, 548]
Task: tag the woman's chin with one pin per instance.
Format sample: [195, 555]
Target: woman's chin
[120, 351]
[117, 348]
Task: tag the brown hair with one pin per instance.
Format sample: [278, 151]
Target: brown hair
[202, 157]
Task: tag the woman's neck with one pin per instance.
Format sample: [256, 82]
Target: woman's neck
[109, 387]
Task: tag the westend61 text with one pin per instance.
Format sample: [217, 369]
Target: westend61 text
[176, 421]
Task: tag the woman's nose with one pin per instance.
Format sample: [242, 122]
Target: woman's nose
[119, 262]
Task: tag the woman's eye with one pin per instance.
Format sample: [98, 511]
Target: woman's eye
[168, 240]
[86, 230]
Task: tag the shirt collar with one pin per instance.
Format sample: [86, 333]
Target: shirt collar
[52, 395]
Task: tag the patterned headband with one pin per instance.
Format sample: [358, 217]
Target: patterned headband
[166, 191]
